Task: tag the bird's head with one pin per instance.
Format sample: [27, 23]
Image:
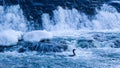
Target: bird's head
[74, 49]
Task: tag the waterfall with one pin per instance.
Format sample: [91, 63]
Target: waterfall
[11, 17]
[44, 33]
[12, 25]
[107, 18]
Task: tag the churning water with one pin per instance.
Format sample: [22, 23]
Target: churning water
[96, 39]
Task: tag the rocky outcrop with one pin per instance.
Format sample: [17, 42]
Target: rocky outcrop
[46, 45]
[40, 40]
[43, 47]
[85, 43]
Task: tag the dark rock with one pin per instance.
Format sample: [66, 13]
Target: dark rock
[45, 40]
[1, 49]
[21, 50]
[5, 48]
[45, 45]
[100, 37]
[84, 43]
[115, 4]
[8, 2]
[116, 43]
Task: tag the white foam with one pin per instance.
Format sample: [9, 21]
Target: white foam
[65, 19]
[12, 17]
[9, 37]
[37, 35]
[66, 22]
[107, 18]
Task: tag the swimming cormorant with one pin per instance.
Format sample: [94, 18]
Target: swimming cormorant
[73, 53]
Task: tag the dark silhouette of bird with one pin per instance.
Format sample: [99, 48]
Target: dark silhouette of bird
[73, 53]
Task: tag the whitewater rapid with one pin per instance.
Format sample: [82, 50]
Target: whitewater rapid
[95, 39]
[65, 22]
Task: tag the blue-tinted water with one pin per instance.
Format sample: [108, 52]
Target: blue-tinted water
[88, 58]
[96, 38]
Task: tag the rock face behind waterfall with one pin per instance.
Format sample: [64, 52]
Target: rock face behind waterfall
[33, 9]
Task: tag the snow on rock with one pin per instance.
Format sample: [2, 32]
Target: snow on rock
[9, 37]
[37, 35]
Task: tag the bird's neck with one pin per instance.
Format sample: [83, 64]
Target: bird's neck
[74, 52]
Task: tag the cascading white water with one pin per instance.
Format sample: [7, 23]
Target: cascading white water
[63, 20]
[11, 17]
[12, 24]
[66, 19]
[107, 19]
